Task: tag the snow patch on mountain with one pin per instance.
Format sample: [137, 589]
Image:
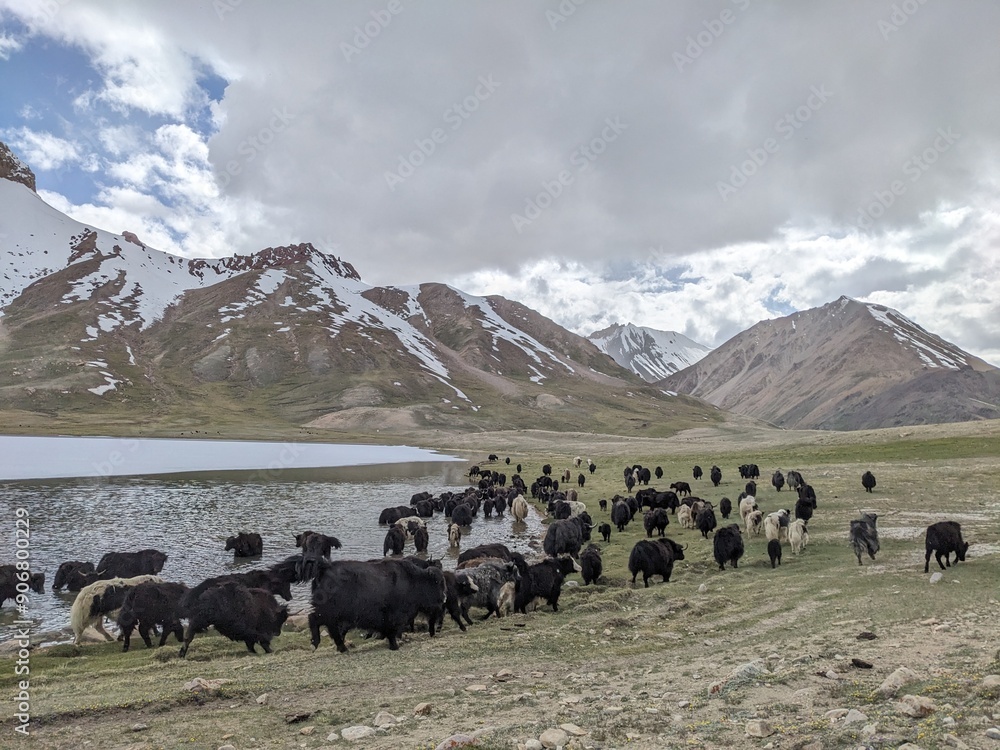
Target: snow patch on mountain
[502, 330]
[933, 351]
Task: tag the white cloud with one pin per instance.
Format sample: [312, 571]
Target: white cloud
[8, 44]
[43, 150]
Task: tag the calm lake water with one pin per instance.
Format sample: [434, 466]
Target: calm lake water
[190, 516]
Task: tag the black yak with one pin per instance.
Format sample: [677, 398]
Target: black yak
[245, 544]
[943, 538]
[868, 481]
[728, 546]
[238, 613]
[705, 521]
[774, 552]
[654, 559]
[725, 507]
[716, 476]
[383, 597]
[591, 565]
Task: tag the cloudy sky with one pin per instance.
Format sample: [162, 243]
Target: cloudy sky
[694, 166]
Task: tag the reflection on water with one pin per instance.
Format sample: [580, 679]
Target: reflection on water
[190, 517]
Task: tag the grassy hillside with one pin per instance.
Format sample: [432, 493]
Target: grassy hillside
[631, 667]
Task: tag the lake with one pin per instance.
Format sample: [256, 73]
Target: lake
[189, 517]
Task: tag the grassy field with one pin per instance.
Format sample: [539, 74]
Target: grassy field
[631, 667]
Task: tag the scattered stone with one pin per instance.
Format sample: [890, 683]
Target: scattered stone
[909, 746]
[503, 675]
[201, 685]
[866, 635]
[227, 747]
[916, 706]
[633, 736]
[571, 584]
[141, 727]
[553, 738]
[332, 737]
[353, 734]
[703, 588]
[854, 716]
[422, 709]
[457, 740]
[990, 686]
[936, 577]
[385, 719]
[307, 730]
[993, 733]
[476, 688]
[953, 741]
[607, 631]
[538, 674]
[930, 621]
[831, 675]
[743, 674]
[942, 628]
[759, 728]
[572, 729]
[836, 713]
[613, 710]
[817, 745]
[869, 730]
[861, 663]
[297, 717]
[683, 704]
[533, 744]
[894, 682]
[296, 623]
[262, 699]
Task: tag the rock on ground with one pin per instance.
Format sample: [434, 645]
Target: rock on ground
[552, 738]
[353, 734]
[892, 684]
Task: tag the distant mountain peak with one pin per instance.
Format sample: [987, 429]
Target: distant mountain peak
[845, 365]
[15, 170]
[649, 353]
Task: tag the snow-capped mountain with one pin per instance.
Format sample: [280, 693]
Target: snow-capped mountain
[99, 321]
[845, 365]
[649, 353]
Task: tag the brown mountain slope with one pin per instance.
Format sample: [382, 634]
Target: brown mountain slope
[845, 365]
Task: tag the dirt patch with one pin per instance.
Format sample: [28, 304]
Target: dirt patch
[369, 419]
